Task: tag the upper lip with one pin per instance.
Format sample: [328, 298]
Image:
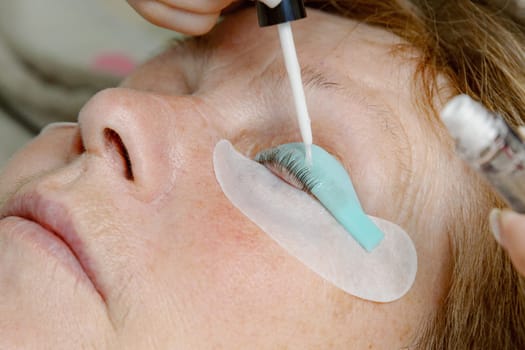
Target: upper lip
[54, 217]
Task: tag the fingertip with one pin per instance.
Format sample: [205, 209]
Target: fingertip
[513, 236]
[195, 25]
[521, 131]
[175, 19]
[512, 221]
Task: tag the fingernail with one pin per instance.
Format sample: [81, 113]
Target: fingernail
[495, 224]
[272, 3]
[521, 131]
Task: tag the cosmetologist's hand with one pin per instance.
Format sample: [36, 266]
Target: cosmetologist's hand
[192, 17]
[509, 230]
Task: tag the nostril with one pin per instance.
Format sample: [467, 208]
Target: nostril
[78, 143]
[116, 146]
[76, 147]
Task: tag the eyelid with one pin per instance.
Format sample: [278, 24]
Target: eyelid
[294, 172]
[315, 78]
[287, 168]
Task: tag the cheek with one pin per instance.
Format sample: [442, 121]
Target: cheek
[218, 260]
[206, 221]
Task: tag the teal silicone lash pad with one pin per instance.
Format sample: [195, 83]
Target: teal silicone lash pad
[330, 183]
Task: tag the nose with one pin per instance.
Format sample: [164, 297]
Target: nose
[138, 136]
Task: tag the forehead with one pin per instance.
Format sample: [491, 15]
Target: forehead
[326, 40]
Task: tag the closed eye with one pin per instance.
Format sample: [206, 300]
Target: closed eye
[289, 166]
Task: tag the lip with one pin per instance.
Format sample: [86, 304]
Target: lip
[53, 219]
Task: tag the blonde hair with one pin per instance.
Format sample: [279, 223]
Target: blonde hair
[480, 49]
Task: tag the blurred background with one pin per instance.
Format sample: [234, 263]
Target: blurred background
[55, 54]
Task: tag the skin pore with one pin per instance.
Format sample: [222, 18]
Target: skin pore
[171, 263]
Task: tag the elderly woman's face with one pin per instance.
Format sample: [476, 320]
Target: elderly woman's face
[155, 256]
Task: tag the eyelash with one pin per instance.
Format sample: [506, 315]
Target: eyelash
[287, 168]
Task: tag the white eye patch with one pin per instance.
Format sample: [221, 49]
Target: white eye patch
[307, 231]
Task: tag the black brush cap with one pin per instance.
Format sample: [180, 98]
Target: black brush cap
[286, 11]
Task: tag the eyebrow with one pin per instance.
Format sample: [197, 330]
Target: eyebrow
[203, 49]
[316, 78]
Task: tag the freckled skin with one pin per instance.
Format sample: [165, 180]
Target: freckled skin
[178, 265]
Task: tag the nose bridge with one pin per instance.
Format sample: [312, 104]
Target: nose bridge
[145, 111]
[153, 132]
